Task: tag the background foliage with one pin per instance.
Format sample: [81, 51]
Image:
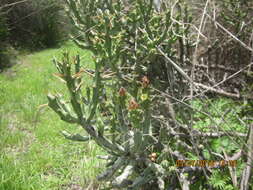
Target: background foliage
[31, 25]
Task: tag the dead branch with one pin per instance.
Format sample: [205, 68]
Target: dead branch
[210, 135]
[221, 67]
[247, 171]
[224, 93]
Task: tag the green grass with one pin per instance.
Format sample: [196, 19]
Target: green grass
[33, 153]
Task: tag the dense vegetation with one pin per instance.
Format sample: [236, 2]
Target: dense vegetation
[148, 65]
[162, 83]
[31, 25]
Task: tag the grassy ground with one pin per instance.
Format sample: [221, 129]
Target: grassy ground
[33, 153]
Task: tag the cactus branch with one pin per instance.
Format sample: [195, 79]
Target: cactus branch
[75, 137]
[111, 171]
[61, 109]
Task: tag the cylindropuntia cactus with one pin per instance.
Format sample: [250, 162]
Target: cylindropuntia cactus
[133, 46]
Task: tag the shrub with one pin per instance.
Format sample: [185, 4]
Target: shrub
[5, 53]
[3, 27]
[34, 24]
[8, 56]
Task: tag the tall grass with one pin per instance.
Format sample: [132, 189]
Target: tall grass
[34, 155]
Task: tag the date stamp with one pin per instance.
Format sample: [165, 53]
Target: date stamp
[206, 163]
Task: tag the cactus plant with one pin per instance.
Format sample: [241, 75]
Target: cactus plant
[125, 38]
[136, 67]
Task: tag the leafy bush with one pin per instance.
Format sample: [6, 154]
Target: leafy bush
[34, 24]
[3, 27]
[6, 53]
[8, 56]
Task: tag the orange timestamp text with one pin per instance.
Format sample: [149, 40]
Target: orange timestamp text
[206, 163]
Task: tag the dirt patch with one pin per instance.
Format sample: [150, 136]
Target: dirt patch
[11, 73]
[15, 128]
[76, 186]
